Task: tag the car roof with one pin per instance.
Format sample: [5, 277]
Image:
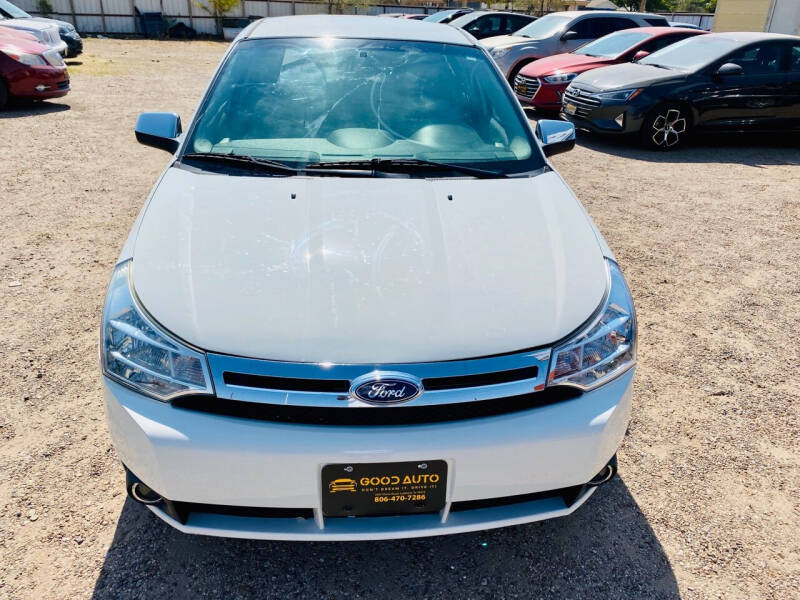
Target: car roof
[602, 13]
[366, 27]
[746, 37]
[656, 31]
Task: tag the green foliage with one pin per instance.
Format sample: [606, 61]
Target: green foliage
[45, 8]
[217, 9]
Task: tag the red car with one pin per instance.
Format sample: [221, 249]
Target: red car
[541, 83]
[29, 69]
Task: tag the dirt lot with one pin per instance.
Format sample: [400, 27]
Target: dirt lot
[708, 505]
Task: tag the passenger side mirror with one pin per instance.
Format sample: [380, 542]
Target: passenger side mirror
[640, 55]
[159, 130]
[570, 35]
[730, 70]
[556, 136]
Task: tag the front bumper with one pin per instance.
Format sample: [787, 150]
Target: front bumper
[53, 82]
[196, 457]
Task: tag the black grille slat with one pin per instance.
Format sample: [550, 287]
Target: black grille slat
[385, 415]
[480, 379]
[287, 384]
[584, 104]
[568, 495]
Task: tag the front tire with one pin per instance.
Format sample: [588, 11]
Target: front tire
[665, 128]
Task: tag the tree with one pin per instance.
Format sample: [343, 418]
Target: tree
[218, 9]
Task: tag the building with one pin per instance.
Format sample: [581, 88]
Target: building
[777, 16]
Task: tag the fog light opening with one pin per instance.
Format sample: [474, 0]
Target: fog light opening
[42, 87]
[605, 474]
[620, 119]
[141, 493]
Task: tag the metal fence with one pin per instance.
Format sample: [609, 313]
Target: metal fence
[119, 16]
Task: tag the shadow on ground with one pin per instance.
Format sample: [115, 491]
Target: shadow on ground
[20, 108]
[750, 149]
[605, 550]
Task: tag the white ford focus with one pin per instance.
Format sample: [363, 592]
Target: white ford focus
[359, 302]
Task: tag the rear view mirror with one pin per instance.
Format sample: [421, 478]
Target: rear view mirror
[159, 130]
[556, 136]
[570, 35]
[729, 70]
[640, 55]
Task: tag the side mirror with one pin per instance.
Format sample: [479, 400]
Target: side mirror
[730, 70]
[640, 55]
[556, 136]
[159, 130]
[570, 35]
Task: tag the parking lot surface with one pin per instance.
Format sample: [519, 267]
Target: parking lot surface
[708, 503]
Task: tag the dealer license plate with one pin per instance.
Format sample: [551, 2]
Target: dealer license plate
[357, 489]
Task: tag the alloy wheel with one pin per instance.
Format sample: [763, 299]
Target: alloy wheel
[668, 128]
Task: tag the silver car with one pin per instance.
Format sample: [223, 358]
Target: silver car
[561, 32]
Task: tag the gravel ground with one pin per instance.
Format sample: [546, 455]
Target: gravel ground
[708, 505]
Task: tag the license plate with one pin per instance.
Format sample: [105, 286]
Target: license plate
[358, 489]
[570, 108]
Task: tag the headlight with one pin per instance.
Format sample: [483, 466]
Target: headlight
[561, 78]
[605, 349]
[498, 52]
[620, 95]
[137, 353]
[32, 60]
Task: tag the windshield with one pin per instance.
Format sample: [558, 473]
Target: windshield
[613, 45]
[310, 100]
[691, 54]
[12, 11]
[544, 27]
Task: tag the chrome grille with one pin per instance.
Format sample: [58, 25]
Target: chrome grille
[584, 104]
[526, 87]
[326, 386]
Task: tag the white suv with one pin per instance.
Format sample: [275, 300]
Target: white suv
[360, 303]
[561, 32]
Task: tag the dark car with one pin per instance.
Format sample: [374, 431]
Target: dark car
[715, 82]
[66, 30]
[445, 16]
[483, 23]
[541, 84]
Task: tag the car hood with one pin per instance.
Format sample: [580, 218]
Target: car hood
[504, 40]
[625, 75]
[15, 35]
[55, 22]
[575, 63]
[27, 24]
[366, 270]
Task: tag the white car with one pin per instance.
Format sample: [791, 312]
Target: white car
[45, 33]
[360, 303]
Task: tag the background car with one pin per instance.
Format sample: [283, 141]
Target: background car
[445, 16]
[45, 33]
[719, 81]
[29, 69]
[66, 30]
[561, 32]
[541, 84]
[686, 25]
[482, 24]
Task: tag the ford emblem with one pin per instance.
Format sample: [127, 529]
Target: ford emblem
[382, 387]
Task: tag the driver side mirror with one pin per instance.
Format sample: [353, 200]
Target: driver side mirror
[556, 136]
[640, 55]
[570, 35]
[730, 70]
[159, 130]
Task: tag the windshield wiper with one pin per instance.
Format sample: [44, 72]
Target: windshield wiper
[243, 160]
[406, 165]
